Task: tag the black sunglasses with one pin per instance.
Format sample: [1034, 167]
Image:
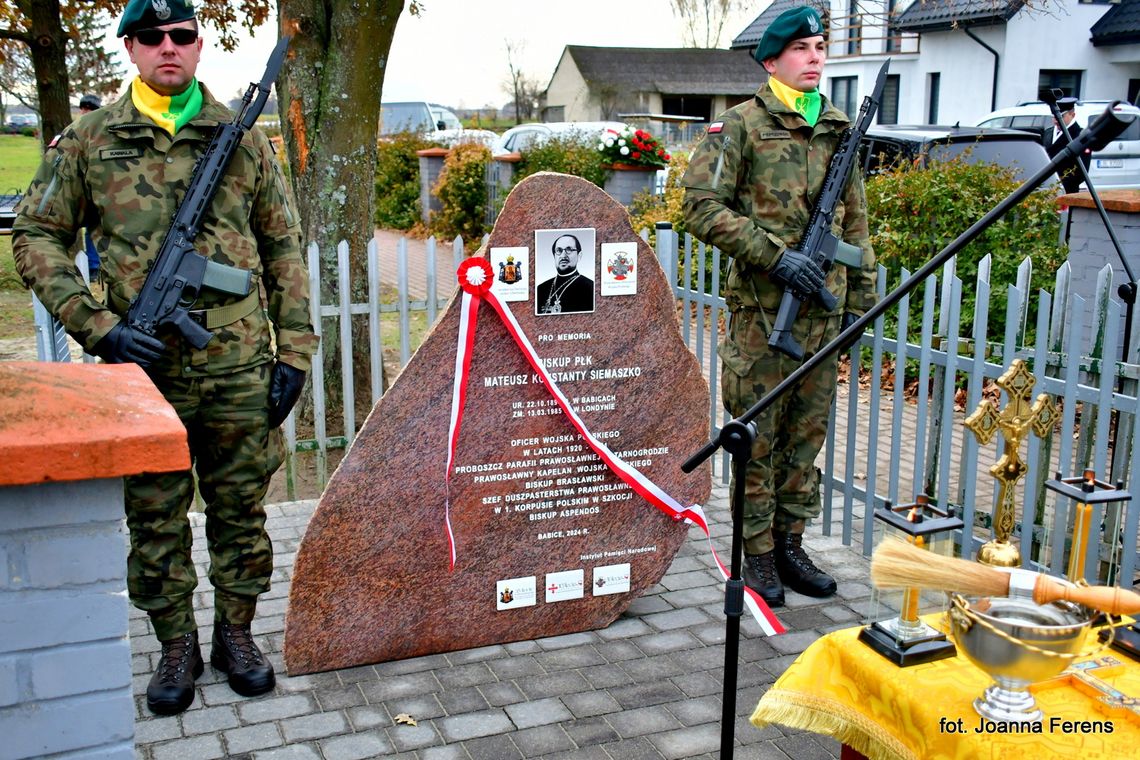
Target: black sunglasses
[154, 37]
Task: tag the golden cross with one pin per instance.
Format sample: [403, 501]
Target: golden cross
[1108, 700]
[1014, 422]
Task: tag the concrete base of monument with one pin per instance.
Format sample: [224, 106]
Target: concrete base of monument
[548, 539]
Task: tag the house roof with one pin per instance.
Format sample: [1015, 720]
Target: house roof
[750, 37]
[669, 70]
[1120, 26]
[944, 15]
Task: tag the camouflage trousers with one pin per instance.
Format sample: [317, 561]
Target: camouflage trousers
[234, 454]
[782, 483]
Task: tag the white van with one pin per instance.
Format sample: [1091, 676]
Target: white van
[1117, 166]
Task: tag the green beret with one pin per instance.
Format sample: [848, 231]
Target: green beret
[794, 24]
[147, 14]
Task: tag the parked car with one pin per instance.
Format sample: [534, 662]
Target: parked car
[431, 120]
[524, 136]
[886, 145]
[22, 120]
[1117, 166]
[8, 211]
[444, 117]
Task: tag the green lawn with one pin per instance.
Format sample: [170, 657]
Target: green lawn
[19, 157]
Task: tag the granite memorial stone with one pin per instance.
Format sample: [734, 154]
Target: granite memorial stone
[547, 539]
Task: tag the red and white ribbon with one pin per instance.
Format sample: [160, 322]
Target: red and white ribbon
[475, 277]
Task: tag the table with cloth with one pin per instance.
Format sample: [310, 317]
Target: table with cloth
[840, 687]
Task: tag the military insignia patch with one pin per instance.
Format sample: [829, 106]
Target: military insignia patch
[114, 154]
[776, 134]
[161, 9]
[716, 127]
[620, 266]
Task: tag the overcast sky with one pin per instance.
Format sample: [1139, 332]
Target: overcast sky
[455, 53]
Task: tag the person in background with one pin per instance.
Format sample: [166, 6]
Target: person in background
[124, 169]
[1071, 178]
[749, 190]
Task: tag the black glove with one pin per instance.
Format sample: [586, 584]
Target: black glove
[284, 389]
[848, 320]
[797, 271]
[126, 345]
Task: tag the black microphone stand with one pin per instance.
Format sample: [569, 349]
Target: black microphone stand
[1127, 291]
[737, 435]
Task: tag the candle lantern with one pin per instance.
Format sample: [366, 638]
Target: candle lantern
[906, 640]
[1085, 492]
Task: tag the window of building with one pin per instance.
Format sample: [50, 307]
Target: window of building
[934, 84]
[894, 39]
[854, 28]
[688, 105]
[844, 95]
[889, 108]
[1066, 80]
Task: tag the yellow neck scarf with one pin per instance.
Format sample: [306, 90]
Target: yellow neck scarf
[171, 112]
[806, 104]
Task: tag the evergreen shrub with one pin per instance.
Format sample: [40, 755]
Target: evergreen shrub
[462, 193]
[915, 212]
[398, 180]
[568, 154]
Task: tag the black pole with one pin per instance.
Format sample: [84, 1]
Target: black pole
[738, 439]
[1102, 131]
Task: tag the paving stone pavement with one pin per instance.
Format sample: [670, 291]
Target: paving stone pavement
[648, 687]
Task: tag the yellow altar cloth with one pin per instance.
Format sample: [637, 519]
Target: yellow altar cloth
[840, 687]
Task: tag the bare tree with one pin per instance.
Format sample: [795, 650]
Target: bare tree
[523, 88]
[90, 69]
[703, 20]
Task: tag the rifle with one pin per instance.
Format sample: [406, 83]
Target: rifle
[179, 272]
[818, 242]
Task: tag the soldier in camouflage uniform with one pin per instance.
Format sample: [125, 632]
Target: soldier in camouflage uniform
[748, 190]
[121, 172]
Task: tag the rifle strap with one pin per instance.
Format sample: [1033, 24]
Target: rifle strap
[220, 316]
[211, 319]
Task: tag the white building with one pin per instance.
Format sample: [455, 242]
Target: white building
[954, 61]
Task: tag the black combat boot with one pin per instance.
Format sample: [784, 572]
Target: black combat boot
[234, 652]
[796, 569]
[171, 688]
[760, 576]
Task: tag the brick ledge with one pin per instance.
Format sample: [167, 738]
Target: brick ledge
[64, 422]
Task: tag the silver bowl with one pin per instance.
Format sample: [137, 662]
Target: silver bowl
[1059, 627]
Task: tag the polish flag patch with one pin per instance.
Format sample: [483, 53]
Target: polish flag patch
[55, 140]
[716, 127]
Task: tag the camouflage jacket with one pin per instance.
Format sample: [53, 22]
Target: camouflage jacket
[749, 190]
[117, 173]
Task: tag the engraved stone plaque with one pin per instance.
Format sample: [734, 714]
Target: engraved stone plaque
[548, 540]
